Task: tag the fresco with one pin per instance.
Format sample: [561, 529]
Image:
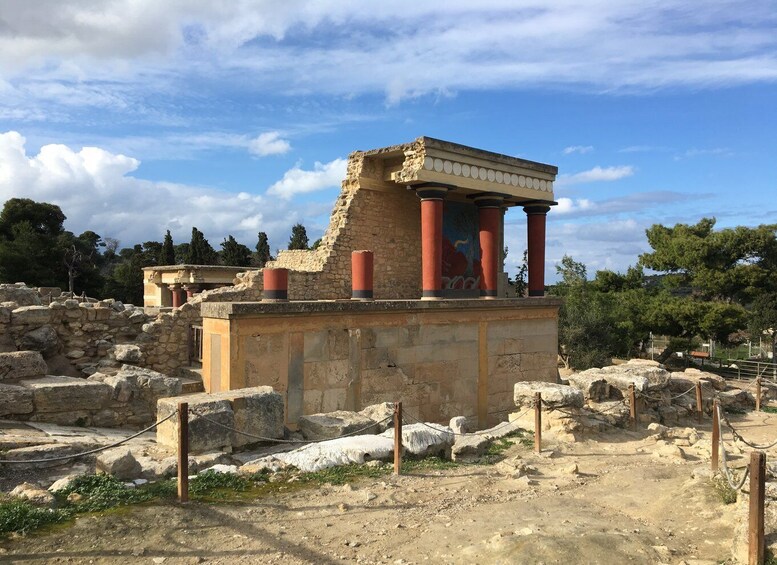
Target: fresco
[460, 247]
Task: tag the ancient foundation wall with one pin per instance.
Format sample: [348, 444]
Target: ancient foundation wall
[441, 359]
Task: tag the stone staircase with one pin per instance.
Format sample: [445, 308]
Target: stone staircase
[191, 379]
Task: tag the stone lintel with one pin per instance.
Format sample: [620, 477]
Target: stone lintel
[229, 310]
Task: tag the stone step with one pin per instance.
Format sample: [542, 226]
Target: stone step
[191, 380]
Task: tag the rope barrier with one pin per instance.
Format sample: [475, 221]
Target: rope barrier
[738, 436]
[290, 441]
[726, 471]
[670, 399]
[91, 451]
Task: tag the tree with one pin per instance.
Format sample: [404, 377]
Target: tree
[299, 237]
[167, 256]
[521, 276]
[262, 250]
[234, 253]
[200, 251]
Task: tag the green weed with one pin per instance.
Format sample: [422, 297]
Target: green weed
[21, 516]
[724, 491]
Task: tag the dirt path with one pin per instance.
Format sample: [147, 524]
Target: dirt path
[622, 505]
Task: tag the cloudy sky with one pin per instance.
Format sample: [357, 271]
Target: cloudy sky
[137, 116]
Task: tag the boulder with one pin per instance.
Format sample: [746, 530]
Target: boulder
[15, 400]
[257, 411]
[592, 386]
[335, 424]
[31, 315]
[642, 375]
[142, 384]
[33, 493]
[680, 382]
[330, 453]
[473, 446]
[425, 439]
[127, 353]
[378, 414]
[22, 295]
[21, 364]
[66, 394]
[736, 399]
[43, 339]
[120, 463]
[459, 425]
[552, 394]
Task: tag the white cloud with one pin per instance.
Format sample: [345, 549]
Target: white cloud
[269, 143]
[96, 190]
[299, 181]
[568, 205]
[113, 50]
[580, 149]
[597, 174]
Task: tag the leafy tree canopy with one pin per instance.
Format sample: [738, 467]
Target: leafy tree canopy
[234, 253]
[299, 237]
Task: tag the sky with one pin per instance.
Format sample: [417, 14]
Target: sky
[139, 116]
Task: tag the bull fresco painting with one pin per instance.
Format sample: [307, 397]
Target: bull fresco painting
[461, 270]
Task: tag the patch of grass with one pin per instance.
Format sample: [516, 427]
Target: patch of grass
[726, 494]
[21, 516]
[101, 492]
[428, 464]
[344, 474]
[770, 410]
[213, 484]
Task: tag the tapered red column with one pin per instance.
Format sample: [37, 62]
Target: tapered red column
[362, 263]
[489, 222]
[175, 291]
[431, 241]
[276, 285]
[535, 224]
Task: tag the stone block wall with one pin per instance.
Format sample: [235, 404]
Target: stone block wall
[441, 360]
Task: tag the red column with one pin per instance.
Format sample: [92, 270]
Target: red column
[176, 294]
[276, 285]
[431, 241]
[489, 222]
[535, 224]
[362, 268]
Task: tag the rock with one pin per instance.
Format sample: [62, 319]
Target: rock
[221, 468]
[513, 467]
[681, 382]
[330, 453]
[473, 446]
[378, 413]
[33, 493]
[35, 316]
[593, 387]
[21, 364]
[62, 484]
[119, 462]
[66, 394]
[659, 430]
[571, 469]
[736, 399]
[127, 353]
[458, 425]
[644, 376]
[257, 411]
[669, 451]
[425, 439]
[21, 295]
[43, 339]
[335, 424]
[552, 394]
[15, 400]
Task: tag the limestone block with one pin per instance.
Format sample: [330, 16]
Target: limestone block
[33, 493]
[43, 339]
[680, 382]
[552, 394]
[15, 400]
[31, 315]
[593, 386]
[257, 411]
[458, 424]
[119, 462]
[335, 424]
[67, 394]
[331, 453]
[378, 414]
[425, 439]
[21, 364]
[127, 353]
[5, 315]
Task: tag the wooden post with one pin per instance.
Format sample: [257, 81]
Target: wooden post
[757, 494]
[398, 438]
[758, 394]
[537, 422]
[183, 452]
[715, 434]
[699, 402]
[633, 406]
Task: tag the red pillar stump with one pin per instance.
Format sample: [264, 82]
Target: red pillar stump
[276, 285]
[535, 224]
[176, 294]
[362, 269]
[431, 241]
[489, 221]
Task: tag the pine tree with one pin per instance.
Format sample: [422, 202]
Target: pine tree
[200, 251]
[262, 250]
[167, 257]
[299, 237]
[235, 254]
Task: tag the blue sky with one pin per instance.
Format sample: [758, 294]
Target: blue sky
[137, 116]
